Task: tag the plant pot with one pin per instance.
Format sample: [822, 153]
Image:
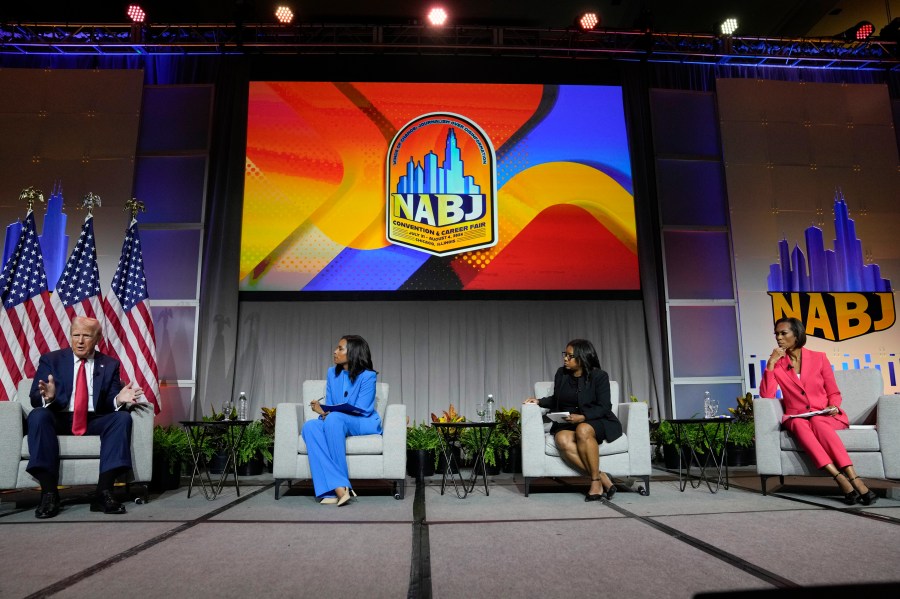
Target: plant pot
[454, 466]
[487, 469]
[253, 467]
[420, 463]
[670, 457]
[513, 463]
[164, 480]
[741, 456]
[217, 462]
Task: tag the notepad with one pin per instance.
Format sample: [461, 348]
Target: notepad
[558, 416]
[342, 407]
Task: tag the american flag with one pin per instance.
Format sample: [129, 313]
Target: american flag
[78, 289]
[128, 328]
[29, 325]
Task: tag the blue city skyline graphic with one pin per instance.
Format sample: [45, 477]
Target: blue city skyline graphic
[427, 177]
[839, 269]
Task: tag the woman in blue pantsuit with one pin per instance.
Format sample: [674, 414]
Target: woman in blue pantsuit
[348, 409]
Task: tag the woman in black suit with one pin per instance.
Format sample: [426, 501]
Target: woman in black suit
[581, 388]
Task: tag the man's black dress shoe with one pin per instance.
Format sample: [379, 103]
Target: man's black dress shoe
[106, 503]
[49, 507]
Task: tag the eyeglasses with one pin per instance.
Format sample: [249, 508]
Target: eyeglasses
[568, 356]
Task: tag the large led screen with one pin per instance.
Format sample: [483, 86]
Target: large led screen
[425, 187]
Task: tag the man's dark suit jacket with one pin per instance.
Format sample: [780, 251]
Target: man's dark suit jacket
[61, 364]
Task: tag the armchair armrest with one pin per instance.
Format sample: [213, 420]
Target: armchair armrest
[394, 441]
[289, 417]
[532, 440]
[888, 427]
[142, 445]
[767, 415]
[11, 433]
[635, 419]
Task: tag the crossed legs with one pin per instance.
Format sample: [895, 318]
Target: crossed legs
[818, 437]
[580, 449]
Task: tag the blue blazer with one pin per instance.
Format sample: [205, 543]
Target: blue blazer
[60, 363]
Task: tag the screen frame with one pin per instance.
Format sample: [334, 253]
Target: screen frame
[458, 69]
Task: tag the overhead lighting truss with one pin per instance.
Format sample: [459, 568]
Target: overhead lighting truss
[115, 39]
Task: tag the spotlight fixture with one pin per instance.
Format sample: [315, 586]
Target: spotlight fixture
[136, 13]
[437, 16]
[588, 21]
[284, 14]
[859, 32]
[729, 26]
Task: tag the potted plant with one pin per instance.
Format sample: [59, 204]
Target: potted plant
[741, 439]
[509, 423]
[170, 451]
[254, 448]
[451, 437]
[422, 444]
[496, 448]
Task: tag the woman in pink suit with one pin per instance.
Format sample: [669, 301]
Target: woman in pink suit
[807, 385]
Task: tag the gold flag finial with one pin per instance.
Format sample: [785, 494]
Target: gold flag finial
[30, 194]
[134, 206]
[89, 201]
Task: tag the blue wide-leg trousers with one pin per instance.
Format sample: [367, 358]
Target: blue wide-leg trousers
[326, 446]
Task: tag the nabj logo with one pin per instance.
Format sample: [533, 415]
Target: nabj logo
[441, 186]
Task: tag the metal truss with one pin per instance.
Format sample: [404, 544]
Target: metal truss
[118, 39]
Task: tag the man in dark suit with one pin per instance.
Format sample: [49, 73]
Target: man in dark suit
[78, 391]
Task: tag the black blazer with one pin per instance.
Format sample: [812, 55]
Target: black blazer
[593, 400]
[60, 364]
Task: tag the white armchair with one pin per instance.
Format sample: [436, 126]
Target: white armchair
[873, 439]
[79, 455]
[628, 456]
[368, 456]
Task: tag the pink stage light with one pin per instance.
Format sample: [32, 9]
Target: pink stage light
[284, 15]
[588, 21]
[136, 13]
[865, 30]
[437, 16]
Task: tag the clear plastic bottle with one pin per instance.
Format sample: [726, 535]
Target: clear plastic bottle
[242, 406]
[489, 406]
[707, 405]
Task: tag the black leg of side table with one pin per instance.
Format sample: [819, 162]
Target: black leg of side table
[449, 463]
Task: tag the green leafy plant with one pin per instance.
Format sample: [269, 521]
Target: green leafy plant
[255, 441]
[742, 434]
[170, 445]
[509, 423]
[743, 412]
[498, 444]
[422, 436]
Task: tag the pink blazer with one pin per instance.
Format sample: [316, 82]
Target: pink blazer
[814, 390]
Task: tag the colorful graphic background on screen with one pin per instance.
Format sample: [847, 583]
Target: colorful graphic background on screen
[314, 196]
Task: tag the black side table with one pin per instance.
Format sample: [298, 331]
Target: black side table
[198, 431]
[709, 431]
[483, 431]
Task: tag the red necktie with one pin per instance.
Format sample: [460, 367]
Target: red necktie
[79, 418]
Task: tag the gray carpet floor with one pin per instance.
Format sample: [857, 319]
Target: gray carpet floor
[502, 544]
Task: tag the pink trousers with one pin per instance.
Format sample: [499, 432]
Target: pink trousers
[818, 437]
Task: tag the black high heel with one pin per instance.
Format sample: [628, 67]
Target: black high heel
[853, 496]
[596, 496]
[867, 498]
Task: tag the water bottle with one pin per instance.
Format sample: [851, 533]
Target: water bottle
[490, 407]
[707, 405]
[242, 406]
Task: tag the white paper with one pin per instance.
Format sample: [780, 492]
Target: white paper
[808, 414]
[558, 416]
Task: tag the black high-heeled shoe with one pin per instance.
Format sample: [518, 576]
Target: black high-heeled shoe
[853, 496]
[596, 496]
[867, 498]
[610, 491]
